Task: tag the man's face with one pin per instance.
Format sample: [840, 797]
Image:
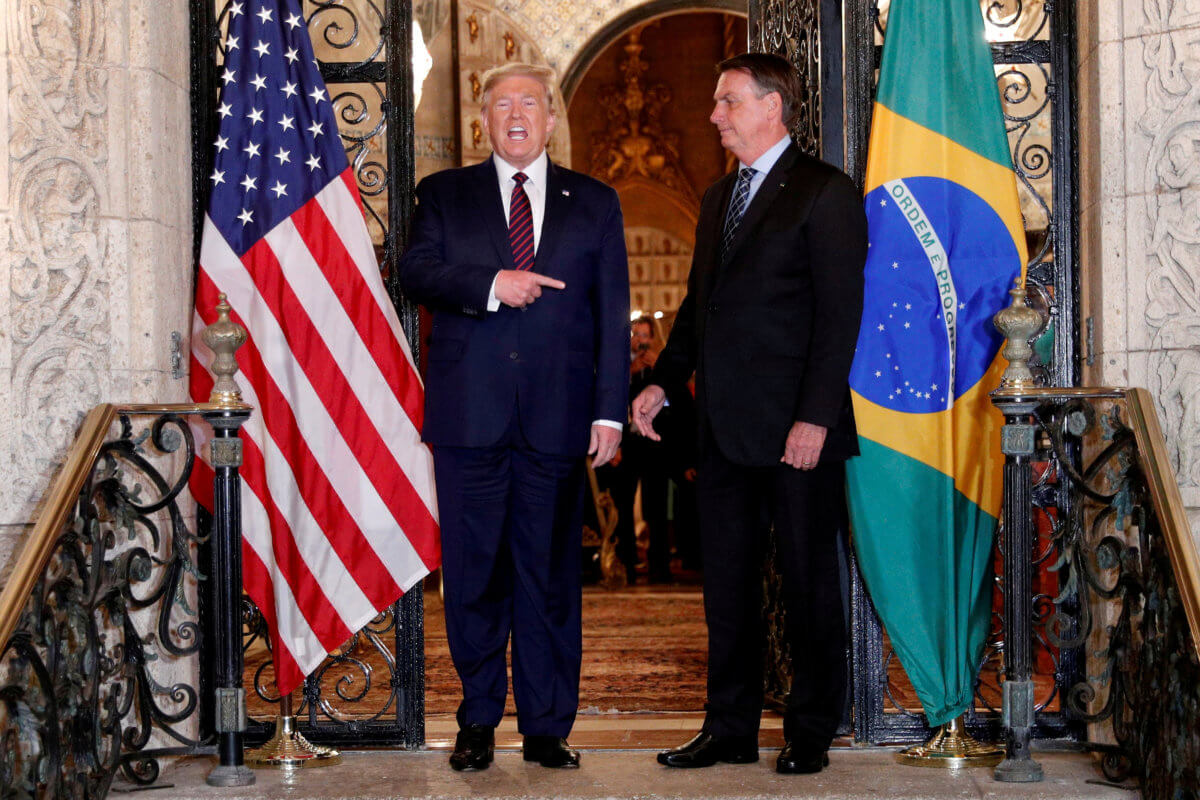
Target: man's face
[641, 337]
[745, 121]
[518, 120]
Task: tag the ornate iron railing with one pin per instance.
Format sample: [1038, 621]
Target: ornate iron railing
[99, 620]
[1125, 549]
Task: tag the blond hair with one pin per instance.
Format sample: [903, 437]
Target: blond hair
[543, 75]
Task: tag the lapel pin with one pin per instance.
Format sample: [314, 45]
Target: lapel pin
[782, 185]
[566, 193]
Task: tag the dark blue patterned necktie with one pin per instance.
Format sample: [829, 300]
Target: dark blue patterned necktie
[520, 225]
[737, 208]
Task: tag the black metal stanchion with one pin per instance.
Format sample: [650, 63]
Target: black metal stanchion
[1018, 323]
[224, 337]
[1017, 442]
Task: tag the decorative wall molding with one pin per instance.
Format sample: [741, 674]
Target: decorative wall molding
[658, 269]
[95, 267]
[56, 239]
[634, 142]
[1171, 124]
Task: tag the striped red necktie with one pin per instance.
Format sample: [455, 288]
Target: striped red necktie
[520, 225]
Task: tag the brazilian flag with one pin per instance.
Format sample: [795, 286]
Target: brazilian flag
[947, 242]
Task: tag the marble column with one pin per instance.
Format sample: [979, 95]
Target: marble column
[95, 223]
[1139, 135]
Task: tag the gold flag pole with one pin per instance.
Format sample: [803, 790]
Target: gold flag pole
[951, 747]
[288, 748]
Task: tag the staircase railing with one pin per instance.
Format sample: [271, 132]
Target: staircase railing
[1128, 578]
[100, 622]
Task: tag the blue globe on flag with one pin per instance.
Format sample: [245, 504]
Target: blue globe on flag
[940, 265]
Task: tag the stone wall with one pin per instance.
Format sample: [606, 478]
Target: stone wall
[1139, 125]
[95, 222]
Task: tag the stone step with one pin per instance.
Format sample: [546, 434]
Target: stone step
[853, 774]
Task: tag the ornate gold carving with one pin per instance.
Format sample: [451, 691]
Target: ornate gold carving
[472, 27]
[476, 133]
[224, 337]
[634, 142]
[1019, 323]
[476, 86]
[510, 45]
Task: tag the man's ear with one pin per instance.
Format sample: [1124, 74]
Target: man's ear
[551, 121]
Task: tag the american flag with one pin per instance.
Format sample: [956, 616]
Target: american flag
[339, 516]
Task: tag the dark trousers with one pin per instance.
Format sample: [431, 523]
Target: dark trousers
[511, 521]
[737, 507]
[645, 462]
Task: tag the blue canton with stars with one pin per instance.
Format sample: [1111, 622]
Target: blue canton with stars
[278, 143]
[902, 358]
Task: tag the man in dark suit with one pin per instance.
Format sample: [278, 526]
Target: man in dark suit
[523, 265]
[769, 327]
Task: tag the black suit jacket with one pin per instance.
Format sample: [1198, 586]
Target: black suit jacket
[771, 333]
[560, 363]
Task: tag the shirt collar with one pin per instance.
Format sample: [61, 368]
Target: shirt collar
[762, 165]
[535, 172]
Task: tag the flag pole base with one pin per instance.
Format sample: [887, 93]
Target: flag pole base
[290, 750]
[951, 747]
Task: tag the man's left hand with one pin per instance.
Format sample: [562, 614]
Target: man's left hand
[803, 447]
[603, 446]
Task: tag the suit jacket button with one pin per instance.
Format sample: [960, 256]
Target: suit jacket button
[513, 355]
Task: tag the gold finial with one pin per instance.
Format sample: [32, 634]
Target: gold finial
[224, 337]
[1018, 323]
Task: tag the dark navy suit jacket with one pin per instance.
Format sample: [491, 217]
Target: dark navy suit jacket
[560, 363]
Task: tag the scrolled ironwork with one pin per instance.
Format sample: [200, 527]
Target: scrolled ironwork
[101, 665]
[336, 23]
[1113, 556]
[791, 28]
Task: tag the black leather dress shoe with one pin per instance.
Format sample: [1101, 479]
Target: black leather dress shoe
[797, 761]
[706, 750]
[550, 751]
[474, 748]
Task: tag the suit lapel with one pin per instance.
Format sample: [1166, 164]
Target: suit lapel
[486, 191]
[763, 198]
[558, 205]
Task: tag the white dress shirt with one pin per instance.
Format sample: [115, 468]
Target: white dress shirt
[535, 190]
[762, 165]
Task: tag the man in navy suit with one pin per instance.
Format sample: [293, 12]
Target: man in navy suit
[768, 327]
[522, 263]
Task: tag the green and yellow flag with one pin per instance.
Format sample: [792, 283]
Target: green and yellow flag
[947, 242]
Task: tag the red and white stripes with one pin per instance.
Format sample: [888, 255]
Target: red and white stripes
[339, 512]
